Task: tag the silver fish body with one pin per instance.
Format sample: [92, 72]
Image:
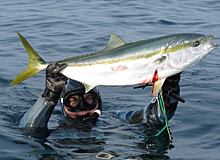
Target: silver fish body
[133, 63]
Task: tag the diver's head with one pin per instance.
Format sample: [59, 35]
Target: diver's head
[77, 104]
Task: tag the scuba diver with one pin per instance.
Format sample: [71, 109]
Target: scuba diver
[86, 107]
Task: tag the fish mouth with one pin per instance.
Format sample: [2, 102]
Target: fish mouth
[210, 44]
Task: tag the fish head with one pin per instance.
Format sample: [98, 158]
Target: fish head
[186, 50]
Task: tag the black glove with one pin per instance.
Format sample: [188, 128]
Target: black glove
[171, 84]
[173, 80]
[171, 87]
[54, 83]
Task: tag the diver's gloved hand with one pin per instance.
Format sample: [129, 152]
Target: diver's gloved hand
[54, 83]
[173, 80]
[90, 118]
[171, 88]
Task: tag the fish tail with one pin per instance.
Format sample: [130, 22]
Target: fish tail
[34, 62]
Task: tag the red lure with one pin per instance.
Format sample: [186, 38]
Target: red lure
[154, 79]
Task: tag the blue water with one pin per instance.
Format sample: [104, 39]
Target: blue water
[61, 29]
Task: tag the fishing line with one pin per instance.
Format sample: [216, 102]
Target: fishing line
[162, 106]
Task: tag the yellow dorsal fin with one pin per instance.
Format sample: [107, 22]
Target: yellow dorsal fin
[114, 42]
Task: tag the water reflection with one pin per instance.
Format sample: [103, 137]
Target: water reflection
[156, 147]
[87, 141]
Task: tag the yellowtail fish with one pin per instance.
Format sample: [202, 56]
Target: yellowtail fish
[121, 63]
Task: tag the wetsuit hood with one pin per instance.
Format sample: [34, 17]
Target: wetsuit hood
[73, 86]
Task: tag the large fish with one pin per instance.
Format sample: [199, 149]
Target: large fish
[121, 63]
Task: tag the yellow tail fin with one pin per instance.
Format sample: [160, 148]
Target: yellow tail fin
[34, 62]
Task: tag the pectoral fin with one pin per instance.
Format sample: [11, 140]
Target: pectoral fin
[160, 60]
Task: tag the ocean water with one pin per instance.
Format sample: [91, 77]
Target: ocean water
[61, 29]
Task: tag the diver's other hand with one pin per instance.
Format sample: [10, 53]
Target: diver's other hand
[171, 85]
[55, 82]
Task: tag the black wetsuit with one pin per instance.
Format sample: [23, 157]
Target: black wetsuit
[39, 114]
[153, 114]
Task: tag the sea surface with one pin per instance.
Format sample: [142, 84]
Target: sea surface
[62, 29]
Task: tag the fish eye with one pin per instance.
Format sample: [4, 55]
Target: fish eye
[196, 44]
